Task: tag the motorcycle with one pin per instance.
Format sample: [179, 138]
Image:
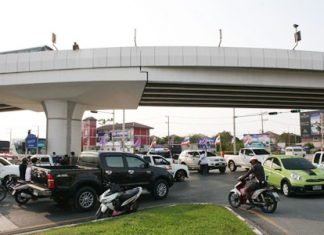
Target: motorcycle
[264, 198]
[23, 192]
[116, 201]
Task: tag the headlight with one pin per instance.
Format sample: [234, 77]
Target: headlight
[295, 177]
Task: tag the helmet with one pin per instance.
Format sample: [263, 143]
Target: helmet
[253, 159]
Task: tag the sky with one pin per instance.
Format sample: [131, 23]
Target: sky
[104, 23]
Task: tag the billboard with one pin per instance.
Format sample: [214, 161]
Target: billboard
[256, 140]
[310, 123]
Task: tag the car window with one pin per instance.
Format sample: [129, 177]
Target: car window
[242, 151]
[114, 161]
[134, 162]
[317, 158]
[44, 160]
[267, 163]
[297, 164]
[160, 161]
[261, 152]
[209, 154]
[276, 163]
[248, 152]
[197, 154]
[148, 159]
[322, 159]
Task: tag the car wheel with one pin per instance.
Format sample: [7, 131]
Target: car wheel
[286, 188]
[222, 170]
[85, 199]
[232, 166]
[180, 175]
[160, 189]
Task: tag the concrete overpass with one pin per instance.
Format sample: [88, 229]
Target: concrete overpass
[66, 83]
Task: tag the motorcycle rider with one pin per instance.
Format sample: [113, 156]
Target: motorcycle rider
[258, 172]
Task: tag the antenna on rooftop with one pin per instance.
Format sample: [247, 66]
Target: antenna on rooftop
[54, 40]
[135, 38]
[220, 37]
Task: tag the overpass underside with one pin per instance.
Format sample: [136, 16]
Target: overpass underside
[194, 95]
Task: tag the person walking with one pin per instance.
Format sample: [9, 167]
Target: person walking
[203, 161]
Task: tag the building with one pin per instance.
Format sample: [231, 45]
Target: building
[89, 133]
[136, 137]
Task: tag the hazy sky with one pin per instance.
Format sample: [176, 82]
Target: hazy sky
[103, 23]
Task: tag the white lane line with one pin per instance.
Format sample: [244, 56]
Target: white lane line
[6, 224]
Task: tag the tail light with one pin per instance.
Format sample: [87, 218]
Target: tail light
[50, 181]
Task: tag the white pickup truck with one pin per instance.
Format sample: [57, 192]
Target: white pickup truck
[179, 171]
[243, 159]
[318, 160]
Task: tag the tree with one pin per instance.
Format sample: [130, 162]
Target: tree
[196, 137]
[289, 138]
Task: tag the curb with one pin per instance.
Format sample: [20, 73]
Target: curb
[248, 223]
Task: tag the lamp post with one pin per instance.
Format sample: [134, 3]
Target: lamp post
[168, 122]
[113, 119]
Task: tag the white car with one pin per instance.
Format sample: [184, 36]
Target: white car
[7, 169]
[179, 172]
[318, 160]
[191, 159]
[295, 151]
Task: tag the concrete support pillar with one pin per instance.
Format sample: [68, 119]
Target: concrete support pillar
[63, 132]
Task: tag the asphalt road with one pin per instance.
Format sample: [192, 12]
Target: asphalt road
[296, 215]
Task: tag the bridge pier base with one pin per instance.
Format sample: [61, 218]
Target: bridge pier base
[63, 131]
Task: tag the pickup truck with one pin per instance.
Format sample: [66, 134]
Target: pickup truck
[95, 171]
[179, 171]
[243, 159]
[7, 170]
[318, 160]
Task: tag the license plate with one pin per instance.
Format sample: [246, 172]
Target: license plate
[317, 187]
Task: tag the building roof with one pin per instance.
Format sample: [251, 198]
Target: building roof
[272, 134]
[119, 126]
[32, 49]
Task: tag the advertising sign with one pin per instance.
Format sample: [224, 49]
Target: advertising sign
[256, 140]
[310, 123]
[31, 141]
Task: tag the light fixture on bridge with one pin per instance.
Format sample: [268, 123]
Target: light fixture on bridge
[54, 40]
[297, 36]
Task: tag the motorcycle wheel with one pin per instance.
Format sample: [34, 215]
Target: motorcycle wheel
[234, 200]
[270, 203]
[20, 199]
[100, 215]
[3, 193]
[134, 207]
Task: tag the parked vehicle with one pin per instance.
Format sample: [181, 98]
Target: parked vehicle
[46, 160]
[24, 191]
[243, 159]
[264, 198]
[295, 151]
[293, 174]
[164, 152]
[318, 159]
[191, 159]
[117, 201]
[80, 184]
[179, 171]
[7, 171]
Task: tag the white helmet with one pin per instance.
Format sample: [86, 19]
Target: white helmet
[253, 159]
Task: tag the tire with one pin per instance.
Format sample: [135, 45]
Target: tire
[234, 200]
[222, 170]
[271, 203]
[286, 188]
[19, 199]
[100, 215]
[134, 207]
[232, 166]
[9, 182]
[3, 193]
[160, 189]
[85, 199]
[180, 175]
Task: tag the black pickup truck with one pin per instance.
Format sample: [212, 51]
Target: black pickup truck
[81, 184]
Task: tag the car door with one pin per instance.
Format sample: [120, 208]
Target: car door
[276, 169]
[138, 172]
[247, 156]
[196, 158]
[161, 162]
[267, 169]
[317, 159]
[190, 159]
[115, 170]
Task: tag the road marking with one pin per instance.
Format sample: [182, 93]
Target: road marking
[268, 220]
[6, 224]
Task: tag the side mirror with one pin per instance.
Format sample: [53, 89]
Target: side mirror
[277, 168]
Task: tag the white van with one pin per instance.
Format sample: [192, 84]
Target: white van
[295, 151]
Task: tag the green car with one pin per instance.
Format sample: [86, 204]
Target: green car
[293, 174]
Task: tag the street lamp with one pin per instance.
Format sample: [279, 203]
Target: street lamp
[113, 119]
[297, 35]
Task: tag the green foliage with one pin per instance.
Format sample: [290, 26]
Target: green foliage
[180, 219]
[289, 138]
[309, 145]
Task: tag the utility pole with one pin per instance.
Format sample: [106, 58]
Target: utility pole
[167, 116]
[113, 132]
[262, 131]
[234, 132]
[123, 136]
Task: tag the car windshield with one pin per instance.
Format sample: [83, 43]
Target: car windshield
[297, 164]
[261, 152]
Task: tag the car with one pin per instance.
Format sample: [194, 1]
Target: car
[46, 160]
[164, 152]
[7, 169]
[293, 174]
[179, 171]
[295, 151]
[191, 159]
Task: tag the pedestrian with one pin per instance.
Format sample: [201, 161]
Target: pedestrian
[203, 162]
[22, 168]
[72, 158]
